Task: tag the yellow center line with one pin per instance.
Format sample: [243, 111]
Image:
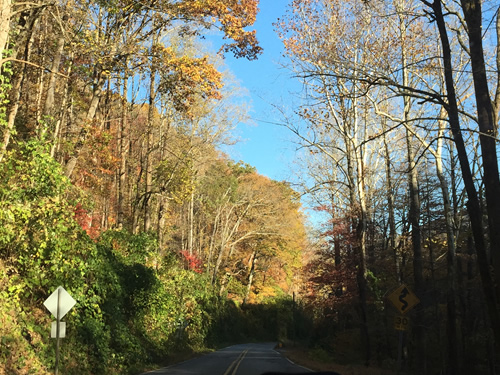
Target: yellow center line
[239, 362]
[236, 363]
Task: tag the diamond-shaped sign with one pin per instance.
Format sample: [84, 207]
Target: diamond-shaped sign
[403, 299]
[59, 303]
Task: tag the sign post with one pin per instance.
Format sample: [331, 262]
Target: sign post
[59, 303]
[403, 299]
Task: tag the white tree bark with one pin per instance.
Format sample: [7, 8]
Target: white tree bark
[5, 13]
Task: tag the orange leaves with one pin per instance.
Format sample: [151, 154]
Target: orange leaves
[185, 78]
[98, 161]
[232, 16]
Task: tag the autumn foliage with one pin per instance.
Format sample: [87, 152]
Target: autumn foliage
[87, 222]
[112, 184]
[192, 261]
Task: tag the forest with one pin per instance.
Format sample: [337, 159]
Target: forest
[114, 185]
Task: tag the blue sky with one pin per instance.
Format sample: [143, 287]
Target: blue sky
[263, 145]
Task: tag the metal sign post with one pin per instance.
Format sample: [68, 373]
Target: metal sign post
[403, 299]
[58, 320]
[59, 303]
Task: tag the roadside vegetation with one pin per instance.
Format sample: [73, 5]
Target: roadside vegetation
[135, 308]
[113, 115]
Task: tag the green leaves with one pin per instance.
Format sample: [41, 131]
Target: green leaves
[41, 247]
[30, 172]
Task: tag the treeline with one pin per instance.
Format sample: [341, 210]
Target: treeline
[138, 302]
[112, 185]
[399, 127]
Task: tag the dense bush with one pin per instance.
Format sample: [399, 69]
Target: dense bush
[41, 247]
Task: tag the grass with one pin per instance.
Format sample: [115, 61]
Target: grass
[319, 360]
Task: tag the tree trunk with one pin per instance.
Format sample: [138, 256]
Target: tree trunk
[211, 246]
[253, 261]
[91, 113]
[148, 163]
[496, 100]
[122, 155]
[29, 21]
[414, 211]
[473, 206]
[363, 268]
[487, 127]
[5, 13]
[454, 339]
[356, 157]
[63, 112]
[51, 88]
[191, 224]
[390, 202]
[416, 238]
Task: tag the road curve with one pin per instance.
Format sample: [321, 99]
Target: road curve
[245, 359]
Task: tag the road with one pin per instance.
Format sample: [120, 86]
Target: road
[246, 359]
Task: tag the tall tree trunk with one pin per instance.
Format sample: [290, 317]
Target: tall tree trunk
[390, 201]
[487, 127]
[414, 211]
[416, 238]
[363, 268]
[99, 79]
[228, 231]
[473, 206]
[496, 100]
[48, 110]
[148, 164]
[42, 52]
[361, 225]
[191, 224]
[5, 13]
[29, 22]
[224, 235]
[253, 261]
[454, 339]
[211, 246]
[223, 225]
[160, 222]
[56, 136]
[91, 113]
[122, 155]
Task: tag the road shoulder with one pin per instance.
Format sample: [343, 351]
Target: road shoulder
[300, 356]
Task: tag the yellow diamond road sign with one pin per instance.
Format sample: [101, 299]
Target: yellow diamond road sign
[403, 299]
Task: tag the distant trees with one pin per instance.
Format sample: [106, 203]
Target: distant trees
[384, 87]
[133, 109]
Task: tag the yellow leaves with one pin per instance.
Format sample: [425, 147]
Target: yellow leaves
[186, 78]
[232, 16]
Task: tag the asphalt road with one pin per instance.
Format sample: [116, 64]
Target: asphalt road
[246, 359]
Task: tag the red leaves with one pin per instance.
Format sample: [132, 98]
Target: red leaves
[193, 262]
[332, 273]
[331, 285]
[87, 222]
